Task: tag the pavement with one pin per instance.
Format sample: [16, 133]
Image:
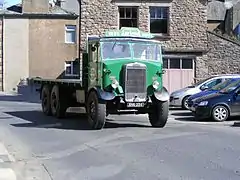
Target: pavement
[36, 147]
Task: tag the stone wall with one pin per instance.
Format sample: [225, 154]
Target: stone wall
[188, 25]
[188, 21]
[223, 56]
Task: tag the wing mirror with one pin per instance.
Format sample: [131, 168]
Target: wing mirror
[204, 88]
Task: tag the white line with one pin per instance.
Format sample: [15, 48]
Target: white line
[1, 161]
[3, 151]
[7, 174]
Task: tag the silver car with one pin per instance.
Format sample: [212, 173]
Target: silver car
[178, 98]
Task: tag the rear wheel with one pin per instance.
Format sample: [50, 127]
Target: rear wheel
[46, 100]
[96, 111]
[158, 115]
[220, 113]
[58, 102]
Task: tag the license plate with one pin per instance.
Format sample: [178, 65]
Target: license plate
[135, 104]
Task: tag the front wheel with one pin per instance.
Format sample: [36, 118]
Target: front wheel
[96, 111]
[220, 113]
[184, 103]
[158, 115]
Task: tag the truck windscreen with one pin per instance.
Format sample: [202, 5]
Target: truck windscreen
[131, 50]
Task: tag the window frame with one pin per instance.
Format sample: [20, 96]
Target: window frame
[125, 7]
[181, 59]
[159, 5]
[70, 28]
[71, 65]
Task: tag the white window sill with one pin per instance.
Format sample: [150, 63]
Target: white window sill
[70, 42]
[72, 75]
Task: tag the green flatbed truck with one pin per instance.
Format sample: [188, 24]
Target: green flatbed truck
[122, 73]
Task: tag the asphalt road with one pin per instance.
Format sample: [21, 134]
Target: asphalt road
[128, 148]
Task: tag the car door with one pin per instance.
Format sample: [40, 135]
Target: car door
[236, 103]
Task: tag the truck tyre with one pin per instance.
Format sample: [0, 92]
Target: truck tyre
[158, 115]
[58, 102]
[46, 100]
[96, 111]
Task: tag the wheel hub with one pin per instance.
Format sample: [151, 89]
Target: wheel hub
[220, 113]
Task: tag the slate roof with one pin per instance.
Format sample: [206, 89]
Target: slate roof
[17, 10]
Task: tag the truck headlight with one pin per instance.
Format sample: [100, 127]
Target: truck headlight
[203, 103]
[114, 83]
[155, 84]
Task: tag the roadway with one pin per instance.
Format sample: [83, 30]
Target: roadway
[43, 148]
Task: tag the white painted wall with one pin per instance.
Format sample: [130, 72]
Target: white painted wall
[15, 52]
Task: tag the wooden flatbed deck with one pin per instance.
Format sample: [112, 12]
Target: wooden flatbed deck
[70, 82]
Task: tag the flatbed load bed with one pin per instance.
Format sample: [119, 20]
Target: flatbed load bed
[74, 82]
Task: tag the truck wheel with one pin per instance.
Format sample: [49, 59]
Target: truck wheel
[158, 115]
[46, 102]
[96, 111]
[58, 103]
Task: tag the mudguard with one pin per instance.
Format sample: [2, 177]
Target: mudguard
[107, 96]
[162, 95]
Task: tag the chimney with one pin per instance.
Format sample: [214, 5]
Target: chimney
[35, 6]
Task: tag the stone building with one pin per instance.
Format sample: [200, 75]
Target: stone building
[223, 37]
[179, 25]
[38, 40]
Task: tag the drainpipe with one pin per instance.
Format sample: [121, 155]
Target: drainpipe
[80, 27]
[2, 49]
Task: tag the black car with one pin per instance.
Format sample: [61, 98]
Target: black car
[219, 106]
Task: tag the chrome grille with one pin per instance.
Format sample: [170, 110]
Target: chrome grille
[135, 82]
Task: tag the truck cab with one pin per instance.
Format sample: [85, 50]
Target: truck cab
[123, 73]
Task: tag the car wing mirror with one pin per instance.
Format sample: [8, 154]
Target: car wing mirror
[204, 88]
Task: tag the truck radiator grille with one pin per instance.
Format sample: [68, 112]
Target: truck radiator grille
[135, 82]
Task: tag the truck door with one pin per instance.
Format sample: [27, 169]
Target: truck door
[93, 65]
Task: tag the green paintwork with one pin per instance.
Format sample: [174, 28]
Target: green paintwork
[115, 66]
[126, 31]
[101, 70]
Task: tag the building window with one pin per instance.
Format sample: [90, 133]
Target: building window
[159, 17]
[178, 63]
[70, 34]
[71, 68]
[128, 17]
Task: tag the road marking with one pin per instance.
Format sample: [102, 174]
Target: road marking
[4, 152]
[7, 174]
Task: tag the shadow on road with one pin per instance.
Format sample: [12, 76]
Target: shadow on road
[73, 121]
[182, 114]
[187, 116]
[24, 94]
[236, 124]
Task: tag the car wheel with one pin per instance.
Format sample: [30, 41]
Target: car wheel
[220, 113]
[184, 103]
